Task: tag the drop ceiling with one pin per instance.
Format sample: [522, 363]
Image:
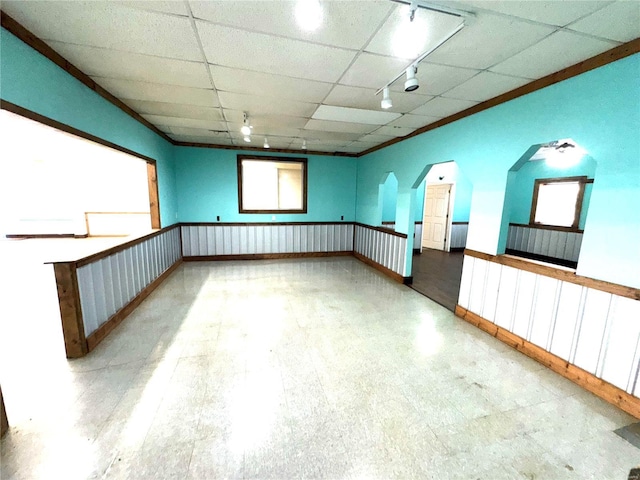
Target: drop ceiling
[191, 68]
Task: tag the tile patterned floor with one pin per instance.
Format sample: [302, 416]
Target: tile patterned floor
[303, 369]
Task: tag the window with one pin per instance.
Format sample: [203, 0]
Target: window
[558, 201]
[272, 184]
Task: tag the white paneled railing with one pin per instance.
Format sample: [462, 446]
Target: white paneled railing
[97, 292]
[595, 330]
[218, 240]
[111, 282]
[382, 246]
[550, 243]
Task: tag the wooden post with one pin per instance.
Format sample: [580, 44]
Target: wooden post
[154, 201]
[4, 423]
[75, 342]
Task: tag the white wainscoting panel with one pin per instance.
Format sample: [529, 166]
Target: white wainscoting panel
[386, 249]
[108, 284]
[459, 235]
[550, 243]
[569, 312]
[212, 240]
[592, 327]
[507, 289]
[594, 330]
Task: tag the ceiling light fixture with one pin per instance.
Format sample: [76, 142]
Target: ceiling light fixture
[247, 138]
[386, 99]
[412, 10]
[246, 127]
[411, 83]
[308, 14]
[304, 144]
[266, 142]
[564, 154]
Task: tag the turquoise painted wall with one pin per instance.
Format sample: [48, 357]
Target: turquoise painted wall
[599, 109]
[30, 80]
[519, 193]
[389, 199]
[206, 184]
[462, 202]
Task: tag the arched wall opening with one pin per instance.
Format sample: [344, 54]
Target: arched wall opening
[442, 196]
[547, 202]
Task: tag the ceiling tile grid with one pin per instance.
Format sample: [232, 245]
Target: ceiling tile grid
[192, 68]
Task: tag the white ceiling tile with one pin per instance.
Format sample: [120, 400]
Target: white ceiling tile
[344, 24]
[357, 147]
[155, 92]
[320, 135]
[486, 85]
[203, 140]
[175, 110]
[372, 71]
[108, 25]
[258, 140]
[354, 115]
[175, 7]
[376, 138]
[348, 127]
[358, 97]
[199, 132]
[399, 37]
[260, 119]
[413, 121]
[273, 143]
[133, 66]
[266, 129]
[394, 131]
[553, 12]
[443, 107]
[558, 51]
[436, 79]
[265, 53]
[619, 21]
[184, 122]
[261, 105]
[258, 83]
[487, 41]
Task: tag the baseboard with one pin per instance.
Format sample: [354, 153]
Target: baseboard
[456, 249]
[542, 258]
[265, 256]
[116, 319]
[586, 380]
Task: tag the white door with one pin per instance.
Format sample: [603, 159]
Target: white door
[436, 216]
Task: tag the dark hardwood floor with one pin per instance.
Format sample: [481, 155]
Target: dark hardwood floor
[436, 274]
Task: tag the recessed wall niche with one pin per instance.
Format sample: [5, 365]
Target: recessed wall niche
[387, 200]
[547, 203]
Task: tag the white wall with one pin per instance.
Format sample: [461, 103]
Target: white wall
[49, 178]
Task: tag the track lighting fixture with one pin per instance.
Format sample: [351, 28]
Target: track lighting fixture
[304, 144]
[266, 142]
[386, 99]
[411, 83]
[246, 127]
